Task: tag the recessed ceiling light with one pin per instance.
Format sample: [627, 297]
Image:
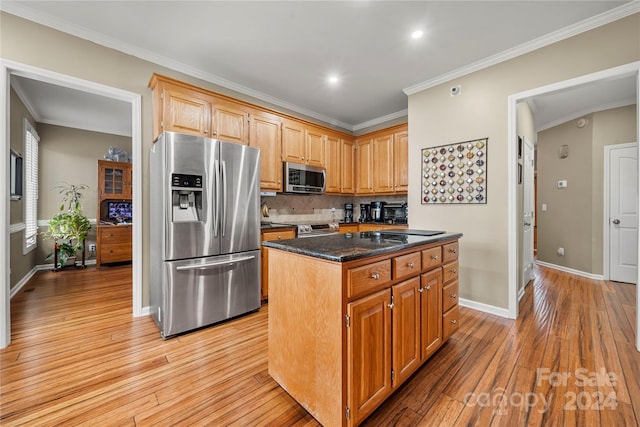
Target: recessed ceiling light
[333, 79]
[416, 34]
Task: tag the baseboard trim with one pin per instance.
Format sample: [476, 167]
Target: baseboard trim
[571, 270]
[34, 270]
[485, 308]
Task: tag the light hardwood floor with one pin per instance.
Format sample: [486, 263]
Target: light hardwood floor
[77, 357]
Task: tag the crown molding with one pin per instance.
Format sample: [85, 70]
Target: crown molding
[558, 121]
[95, 37]
[380, 120]
[604, 18]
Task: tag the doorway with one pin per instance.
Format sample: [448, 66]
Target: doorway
[9, 68]
[621, 213]
[628, 70]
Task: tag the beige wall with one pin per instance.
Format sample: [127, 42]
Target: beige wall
[19, 264]
[574, 216]
[481, 110]
[70, 156]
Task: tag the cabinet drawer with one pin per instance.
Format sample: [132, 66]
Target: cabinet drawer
[115, 252]
[432, 257]
[450, 322]
[349, 228]
[114, 235]
[450, 252]
[450, 272]
[278, 235]
[449, 296]
[406, 265]
[368, 277]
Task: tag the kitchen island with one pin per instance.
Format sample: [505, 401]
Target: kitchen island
[352, 316]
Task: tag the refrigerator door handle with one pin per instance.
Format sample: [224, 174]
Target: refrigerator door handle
[216, 211]
[224, 196]
[213, 264]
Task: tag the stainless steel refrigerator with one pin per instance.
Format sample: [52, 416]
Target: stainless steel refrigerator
[204, 231]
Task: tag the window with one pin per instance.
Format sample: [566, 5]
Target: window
[31, 140]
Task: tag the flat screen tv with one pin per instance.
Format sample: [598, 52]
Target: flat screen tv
[120, 212]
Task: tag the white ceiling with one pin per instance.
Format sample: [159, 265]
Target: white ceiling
[283, 52]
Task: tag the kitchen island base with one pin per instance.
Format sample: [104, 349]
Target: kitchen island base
[343, 335]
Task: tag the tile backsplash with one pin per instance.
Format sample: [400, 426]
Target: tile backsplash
[286, 208]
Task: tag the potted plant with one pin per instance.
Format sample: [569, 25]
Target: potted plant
[69, 227]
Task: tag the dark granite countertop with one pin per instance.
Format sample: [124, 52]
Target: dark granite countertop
[352, 246]
[275, 226]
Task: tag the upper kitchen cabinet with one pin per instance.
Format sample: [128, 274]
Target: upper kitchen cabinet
[180, 109]
[302, 144]
[114, 180]
[381, 162]
[230, 123]
[333, 164]
[347, 178]
[264, 133]
[401, 161]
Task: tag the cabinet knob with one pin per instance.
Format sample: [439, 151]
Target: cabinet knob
[206, 131]
[391, 306]
[428, 287]
[453, 251]
[454, 321]
[454, 271]
[454, 296]
[279, 237]
[375, 276]
[411, 265]
[434, 256]
[420, 290]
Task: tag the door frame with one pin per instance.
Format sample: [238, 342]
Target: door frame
[606, 262]
[530, 145]
[631, 69]
[8, 68]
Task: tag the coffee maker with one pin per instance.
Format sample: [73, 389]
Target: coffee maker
[365, 212]
[348, 212]
[376, 211]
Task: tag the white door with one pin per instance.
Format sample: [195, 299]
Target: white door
[528, 211]
[623, 213]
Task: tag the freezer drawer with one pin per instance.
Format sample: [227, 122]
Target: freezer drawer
[200, 292]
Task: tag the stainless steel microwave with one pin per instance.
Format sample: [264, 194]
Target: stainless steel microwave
[303, 179]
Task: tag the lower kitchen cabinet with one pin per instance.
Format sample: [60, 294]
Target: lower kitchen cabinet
[279, 234]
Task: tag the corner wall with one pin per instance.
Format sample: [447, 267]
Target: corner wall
[481, 110]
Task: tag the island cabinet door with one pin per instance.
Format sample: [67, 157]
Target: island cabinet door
[406, 329]
[368, 354]
[431, 311]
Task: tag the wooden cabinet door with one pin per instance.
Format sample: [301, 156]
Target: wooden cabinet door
[315, 147]
[293, 142]
[333, 164]
[230, 123]
[368, 354]
[406, 329]
[347, 178]
[383, 164]
[264, 133]
[186, 111]
[401, 162]
[114, 180]
[431, 312]
[364, 166]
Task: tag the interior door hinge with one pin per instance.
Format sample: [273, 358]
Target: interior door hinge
[348, 413]
[347, 320]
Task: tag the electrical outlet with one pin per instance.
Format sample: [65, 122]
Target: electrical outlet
[92, 247]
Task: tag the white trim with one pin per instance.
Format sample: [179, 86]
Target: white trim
[521, 292]
[607, 17]
[23, 281]
[17, 87]
[485, 308]
[603, 107]
[107, 130]
[45, 222]
[17, 227]
[379, 120]
[8, 67]
[571, 271]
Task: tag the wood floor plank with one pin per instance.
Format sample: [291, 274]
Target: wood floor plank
[78, 357]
